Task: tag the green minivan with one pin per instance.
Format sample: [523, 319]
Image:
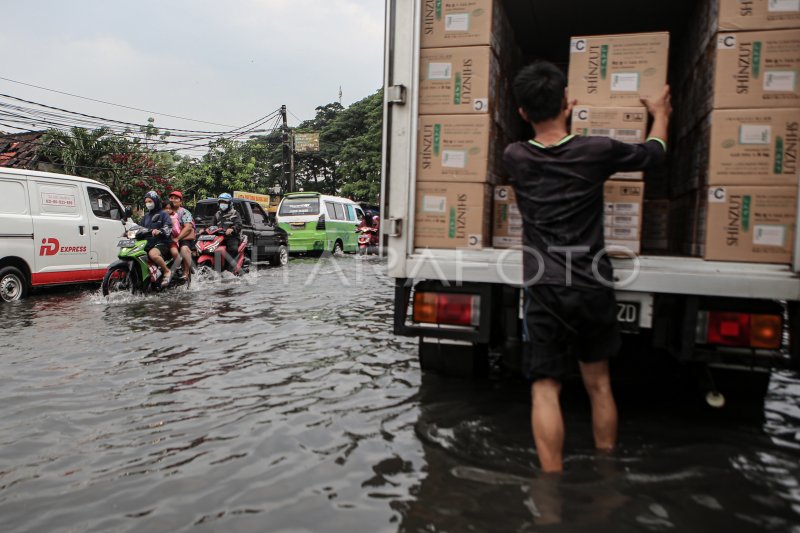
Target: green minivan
[316, 223]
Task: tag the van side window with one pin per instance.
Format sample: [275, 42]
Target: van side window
[339, 211]
[351, 216]
[12, 198]
[103, 204]
[56, 199]
[359, 213]
[331, 211]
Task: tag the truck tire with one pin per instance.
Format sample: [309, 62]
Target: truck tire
[794, 335]
[13, 284]
[454, 360]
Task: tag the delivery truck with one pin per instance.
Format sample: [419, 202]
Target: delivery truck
[697, 290]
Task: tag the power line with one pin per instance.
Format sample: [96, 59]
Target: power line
[111, 103]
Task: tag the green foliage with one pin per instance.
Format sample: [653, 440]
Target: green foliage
[128, 165]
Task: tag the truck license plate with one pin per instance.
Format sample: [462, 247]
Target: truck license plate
[628, 316]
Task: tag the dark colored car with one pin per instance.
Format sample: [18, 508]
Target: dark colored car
[267, 240]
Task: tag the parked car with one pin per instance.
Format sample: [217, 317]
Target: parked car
[268, 242]
[55, 229]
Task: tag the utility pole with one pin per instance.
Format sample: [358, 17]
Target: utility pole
[288, 177]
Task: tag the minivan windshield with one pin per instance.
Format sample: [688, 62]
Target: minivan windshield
[308, 205]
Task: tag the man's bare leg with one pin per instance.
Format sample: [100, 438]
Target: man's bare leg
[186, 254]
[597, 381]
[547, 423]
[155, 256]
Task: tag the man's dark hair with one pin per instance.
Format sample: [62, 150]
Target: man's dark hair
[539, 90]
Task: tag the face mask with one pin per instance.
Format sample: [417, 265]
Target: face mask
[149, 206]
[224, 207]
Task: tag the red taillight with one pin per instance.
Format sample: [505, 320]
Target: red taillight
[740, 329]
[447, 308]
[728, 329]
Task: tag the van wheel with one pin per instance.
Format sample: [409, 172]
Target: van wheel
[13, 285]
[337, 249]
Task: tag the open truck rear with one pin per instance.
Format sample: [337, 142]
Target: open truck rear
[464, 302]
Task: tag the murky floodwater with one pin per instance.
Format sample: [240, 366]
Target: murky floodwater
[269, 404]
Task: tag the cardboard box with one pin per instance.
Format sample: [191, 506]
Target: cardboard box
[754, 147]
[452, 215]
[751, 224]
[617, 70]
[447, 23]
[459, 148]
[623, 215]
[625, 124]
[757, 69]
[464, 80]
[507, 226]
[739, 15]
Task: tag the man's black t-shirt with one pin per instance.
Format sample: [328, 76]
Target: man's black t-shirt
[560, 195]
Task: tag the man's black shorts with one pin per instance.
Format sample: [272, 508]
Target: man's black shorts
[163, 249]
[188, 243]
[561, 324]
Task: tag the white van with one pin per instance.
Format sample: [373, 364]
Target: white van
[54, 229]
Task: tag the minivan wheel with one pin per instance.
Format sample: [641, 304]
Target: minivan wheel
[337, 248]
[12, 284]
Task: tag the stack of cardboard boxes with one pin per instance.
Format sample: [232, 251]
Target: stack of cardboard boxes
[608, 76]
[737, 125]
[467, 49]
[730, 192]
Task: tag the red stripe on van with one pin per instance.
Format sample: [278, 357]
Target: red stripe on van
[67, 276]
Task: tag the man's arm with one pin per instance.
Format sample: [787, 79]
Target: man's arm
[661, 109]
[237, 222]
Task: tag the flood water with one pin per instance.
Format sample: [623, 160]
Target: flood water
[282, 402]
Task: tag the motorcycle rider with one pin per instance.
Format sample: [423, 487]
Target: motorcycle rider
[187, 232]
[159, 227]
[228, 218]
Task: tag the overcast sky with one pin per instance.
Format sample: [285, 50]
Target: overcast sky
[228, 61]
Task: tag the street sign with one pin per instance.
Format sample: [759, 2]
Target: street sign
[262, 199]
[306, 142]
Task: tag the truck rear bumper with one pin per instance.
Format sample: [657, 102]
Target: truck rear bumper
[651, 274]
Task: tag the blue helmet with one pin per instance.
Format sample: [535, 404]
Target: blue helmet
[225, 197]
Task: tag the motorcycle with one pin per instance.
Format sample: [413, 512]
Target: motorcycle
[133, 271]
[367, 240]
[213, 240]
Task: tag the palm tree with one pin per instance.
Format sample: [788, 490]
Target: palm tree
[79, 152]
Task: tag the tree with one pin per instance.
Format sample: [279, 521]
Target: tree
[129, 166]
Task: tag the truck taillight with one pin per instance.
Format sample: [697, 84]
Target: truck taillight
[447, 308]
[740, 329]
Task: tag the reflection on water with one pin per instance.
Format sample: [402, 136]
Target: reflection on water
[277, 403]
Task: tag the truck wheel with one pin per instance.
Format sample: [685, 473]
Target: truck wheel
[281, 257]
[454, 360]
[13, 285]
[794, 335]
